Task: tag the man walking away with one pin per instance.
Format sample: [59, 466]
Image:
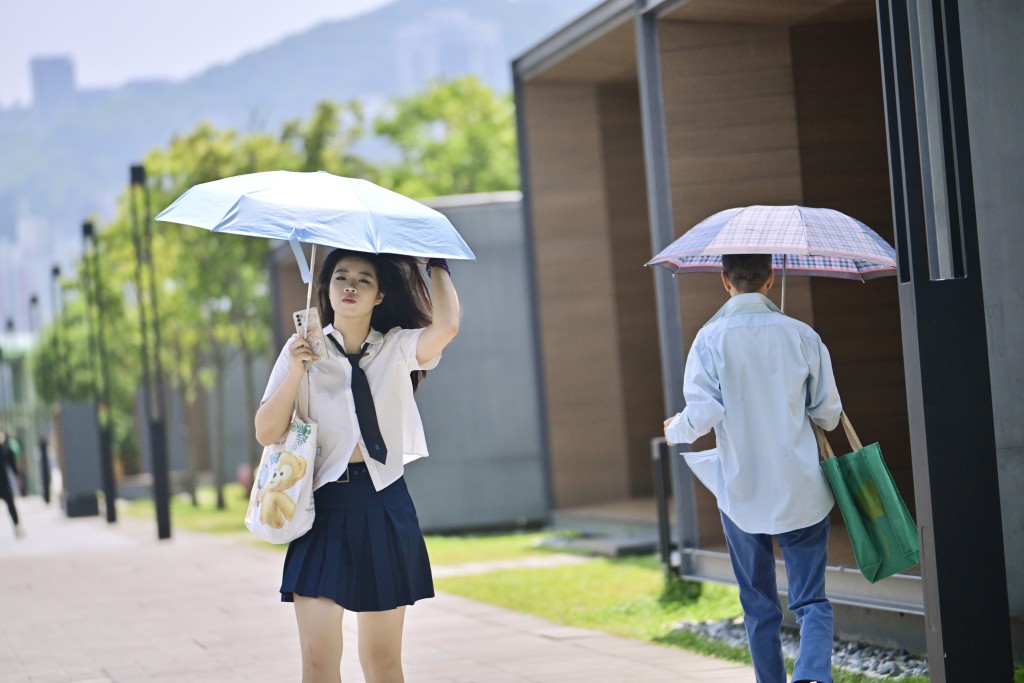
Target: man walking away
[758, 378]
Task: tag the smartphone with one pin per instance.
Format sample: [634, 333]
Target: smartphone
[312, 330]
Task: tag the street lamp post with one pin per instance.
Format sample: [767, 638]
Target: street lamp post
[62, 363]
[62, 373]
[33, 313]
[9, 326]
[3, 386]
[153, 382]
[93, 280]
[33, 328]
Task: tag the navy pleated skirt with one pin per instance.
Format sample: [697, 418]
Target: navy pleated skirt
[365, 550]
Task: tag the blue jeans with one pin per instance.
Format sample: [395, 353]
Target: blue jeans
[753, 561]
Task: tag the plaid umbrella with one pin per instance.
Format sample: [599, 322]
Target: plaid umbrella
[803, 241]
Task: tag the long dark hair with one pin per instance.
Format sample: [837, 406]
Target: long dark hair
[406, 301]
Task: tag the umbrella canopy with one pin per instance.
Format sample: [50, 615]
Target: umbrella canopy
[803, 241]
[319, 208]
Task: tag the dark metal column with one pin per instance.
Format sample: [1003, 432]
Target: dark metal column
[101, 378]
[945, 346]
[659, 206]
[152, 377]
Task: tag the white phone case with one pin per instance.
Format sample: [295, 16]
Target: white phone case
[314, 334]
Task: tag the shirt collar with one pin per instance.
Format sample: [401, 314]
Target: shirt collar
[752, 302]
[372, 339]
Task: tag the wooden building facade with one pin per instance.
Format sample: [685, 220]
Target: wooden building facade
[638, 121]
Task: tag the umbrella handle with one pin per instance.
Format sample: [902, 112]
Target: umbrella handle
[785, 263]
[309, 289]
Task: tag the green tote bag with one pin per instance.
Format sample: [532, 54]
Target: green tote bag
[882, 532]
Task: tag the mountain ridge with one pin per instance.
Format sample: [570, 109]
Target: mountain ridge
[59, 173]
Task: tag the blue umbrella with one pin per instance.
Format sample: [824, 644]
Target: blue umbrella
[319, 208]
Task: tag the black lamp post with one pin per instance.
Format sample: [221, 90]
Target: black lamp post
[57, 308]
[9, 326]
[153, 381]
[93, 280]
[62, 373]
[33, 313]
[3, 380]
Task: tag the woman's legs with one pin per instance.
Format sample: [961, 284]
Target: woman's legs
[320, 638]
[380, 645]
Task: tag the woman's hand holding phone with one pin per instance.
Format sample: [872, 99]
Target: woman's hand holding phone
[300, 352]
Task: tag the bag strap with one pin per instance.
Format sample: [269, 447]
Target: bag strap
[824, 448]
[851, 435]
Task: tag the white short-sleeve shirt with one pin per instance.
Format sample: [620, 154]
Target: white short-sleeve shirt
[327, 400]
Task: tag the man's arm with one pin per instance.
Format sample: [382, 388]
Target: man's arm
[703, 394]
[823, 403]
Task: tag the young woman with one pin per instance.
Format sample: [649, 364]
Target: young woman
[365, 552]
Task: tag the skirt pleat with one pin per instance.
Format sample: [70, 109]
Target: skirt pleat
[365, 550]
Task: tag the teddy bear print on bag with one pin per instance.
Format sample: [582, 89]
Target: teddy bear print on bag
[276, 506]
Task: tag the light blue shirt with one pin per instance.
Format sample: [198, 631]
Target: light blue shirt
[754, 376]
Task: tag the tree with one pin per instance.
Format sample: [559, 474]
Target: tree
[454, 138]
[212, 290]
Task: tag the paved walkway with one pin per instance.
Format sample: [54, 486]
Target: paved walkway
[86, 602]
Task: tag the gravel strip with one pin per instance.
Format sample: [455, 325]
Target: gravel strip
[870, 660]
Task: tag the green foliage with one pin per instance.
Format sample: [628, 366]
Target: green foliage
[679, 591]
[211, 291]
[456, 137]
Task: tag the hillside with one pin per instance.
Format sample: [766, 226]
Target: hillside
[78, 164]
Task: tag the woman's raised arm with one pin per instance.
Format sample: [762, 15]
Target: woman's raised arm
[446, 315]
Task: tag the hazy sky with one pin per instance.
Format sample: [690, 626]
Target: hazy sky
[114, 41]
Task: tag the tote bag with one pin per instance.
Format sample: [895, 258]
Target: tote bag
[281, 502]
[882, 532]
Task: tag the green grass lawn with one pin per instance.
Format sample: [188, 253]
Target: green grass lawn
[626, 597]
[205, 517]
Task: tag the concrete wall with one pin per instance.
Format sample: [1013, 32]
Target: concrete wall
[480, 406]
[993, 67]
[240, 445]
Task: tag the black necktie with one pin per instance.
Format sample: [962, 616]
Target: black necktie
[366, 414]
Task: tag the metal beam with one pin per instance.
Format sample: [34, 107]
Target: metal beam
[588, 28]
[659, 207]
[945, 345]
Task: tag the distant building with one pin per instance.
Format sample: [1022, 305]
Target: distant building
[447, 44]
[53, 86]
